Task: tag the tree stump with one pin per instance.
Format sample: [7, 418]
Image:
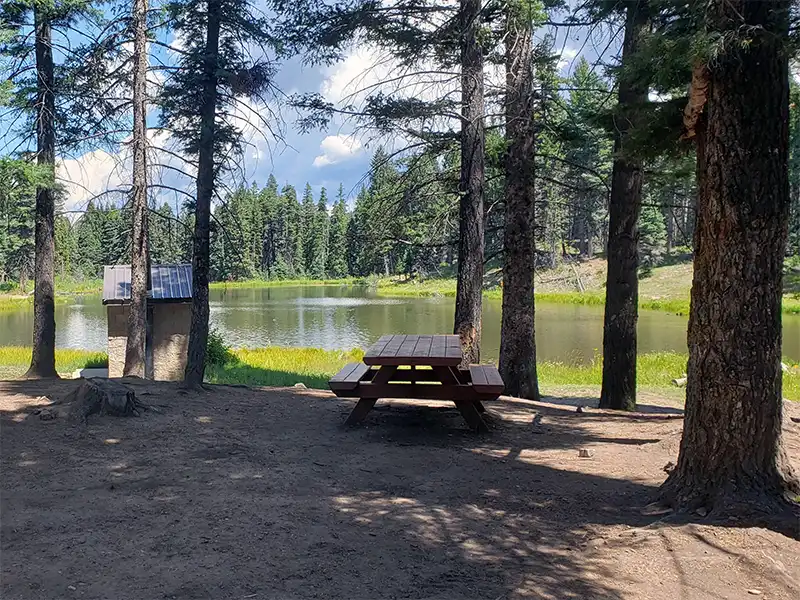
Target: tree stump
[95, 396]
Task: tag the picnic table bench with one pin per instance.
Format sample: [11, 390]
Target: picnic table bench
[424, 367]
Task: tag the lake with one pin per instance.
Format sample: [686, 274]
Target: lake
[344, 317]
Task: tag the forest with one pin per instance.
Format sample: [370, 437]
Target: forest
[402, 220]
[675, 135]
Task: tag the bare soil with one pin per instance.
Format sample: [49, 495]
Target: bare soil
[260, 493]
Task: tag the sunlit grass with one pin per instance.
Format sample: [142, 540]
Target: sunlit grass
[69, 285]
[446, 288]
[12, 303]
[313, 367]
[653, 370]
[15, 360]
[279, 366]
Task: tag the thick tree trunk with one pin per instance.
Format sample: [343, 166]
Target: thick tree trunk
[43, 361]
[198, 335]
[140, 259]
[469, 288]
[731, 459]
[622, 283]
[517, 341]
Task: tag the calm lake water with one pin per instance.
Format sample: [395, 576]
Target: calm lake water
[343, 317]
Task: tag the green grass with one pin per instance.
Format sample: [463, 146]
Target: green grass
[446, 288]
[12, 303]
[265, 283]
[12, 299]
[657, 369]
[15, 360]
[277, 366]
[653, 371]
[72, 286]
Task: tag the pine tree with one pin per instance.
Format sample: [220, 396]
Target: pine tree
[18, 182]
[292, 238]
[307, 212]
[214, 72]
[320, 230]
[271, 218]
[622, 284]
[517, 339]
[469, 288]
[731, 458]
[652, 239]
[337, 244]
[140, 251]
[66, 247]
[89, 236]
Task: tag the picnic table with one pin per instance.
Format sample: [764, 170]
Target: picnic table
[424, 367]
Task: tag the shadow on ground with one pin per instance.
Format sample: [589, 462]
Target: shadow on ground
[239, 493]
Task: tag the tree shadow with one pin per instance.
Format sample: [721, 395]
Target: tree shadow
[263, 494]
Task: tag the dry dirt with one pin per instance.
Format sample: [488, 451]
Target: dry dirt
[260, 493]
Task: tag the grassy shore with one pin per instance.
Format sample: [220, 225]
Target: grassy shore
[666, 289]
[15, 360]
[278, 366]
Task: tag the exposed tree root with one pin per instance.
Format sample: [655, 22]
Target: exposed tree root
[742, 504]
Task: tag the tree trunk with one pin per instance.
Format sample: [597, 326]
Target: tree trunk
[140, 258]
[43, 360]
[517, 341]
[622, 283]
[469, 288]
[731, 458]
[670, 214]
[198, 335]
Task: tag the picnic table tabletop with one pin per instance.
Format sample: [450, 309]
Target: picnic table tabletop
[413, 350]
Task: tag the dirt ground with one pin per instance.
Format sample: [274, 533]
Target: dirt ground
[260, 493]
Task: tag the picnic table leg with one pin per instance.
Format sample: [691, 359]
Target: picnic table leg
[471, 415]
[479, 406]
[360, 411]
[365, 405]
[470, 408]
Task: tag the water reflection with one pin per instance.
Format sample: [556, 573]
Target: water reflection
[335, 317]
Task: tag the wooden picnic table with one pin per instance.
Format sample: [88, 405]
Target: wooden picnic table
[424, 367]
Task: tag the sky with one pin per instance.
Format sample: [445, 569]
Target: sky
[339, 154]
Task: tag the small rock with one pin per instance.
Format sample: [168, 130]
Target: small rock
[71, 587]
[47, 414]
[701, 511]
[584, 453]
[754, 592]
[579, 409]
[301, 386]
[669, 467]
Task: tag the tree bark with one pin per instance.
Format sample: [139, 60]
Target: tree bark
[469, 288]
[198, 334]
[517, 339]
[731, 457]
[140, 256]
[622, 283]
[43, 360]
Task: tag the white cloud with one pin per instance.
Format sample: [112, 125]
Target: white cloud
[336, 149]
[89, 175]
[567, 57]
[351, 79]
